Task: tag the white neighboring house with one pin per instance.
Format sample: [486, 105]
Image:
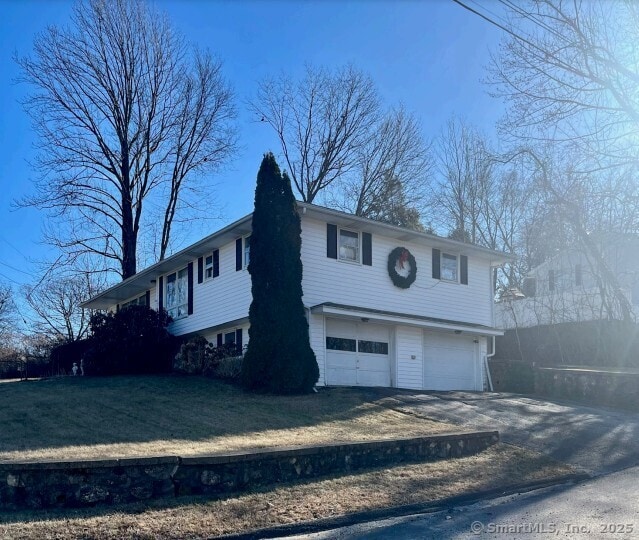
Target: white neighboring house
[364, 330]
[569, 286]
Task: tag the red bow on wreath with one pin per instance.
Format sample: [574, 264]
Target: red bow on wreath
[403, 258]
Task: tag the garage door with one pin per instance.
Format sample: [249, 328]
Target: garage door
[450, 362]
[357, 354]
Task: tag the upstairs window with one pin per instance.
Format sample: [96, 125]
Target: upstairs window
[177, 294]
[448, 267]
[208, 267]
[348, 246]
[449, 270]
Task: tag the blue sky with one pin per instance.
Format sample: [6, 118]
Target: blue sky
[429, 55]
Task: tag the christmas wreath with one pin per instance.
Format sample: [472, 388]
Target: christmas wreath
[402, 267]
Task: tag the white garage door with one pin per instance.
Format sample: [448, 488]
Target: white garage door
[357, 354]
[450, 362]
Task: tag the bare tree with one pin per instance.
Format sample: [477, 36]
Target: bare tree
[126, 118]
[569, 72]
[322, 122]
[465, 167]
[7, 308]
[56, 308]
[392, 173]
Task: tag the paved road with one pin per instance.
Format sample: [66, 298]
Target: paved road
[606, 507]
[597, 440]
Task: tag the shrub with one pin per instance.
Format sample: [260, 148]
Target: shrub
[228, 368]
[198, 357]
[193, 357]
[132, 341]
[225, 363]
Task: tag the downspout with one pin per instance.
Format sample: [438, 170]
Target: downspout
[486, 357]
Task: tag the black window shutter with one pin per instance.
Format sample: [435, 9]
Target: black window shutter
[147, 298]
[463, 269]
[161, 293]
[238, 340]
[200, 270]
[436, 264]
[331, 241]
[238, 254]
[117, 308]
[367, 249]
[551, 280]
[219, 340]
[190, 290]
[216, 263]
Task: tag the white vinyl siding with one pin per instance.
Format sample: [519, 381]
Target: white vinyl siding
[326, 280]
[218, 301]
[409, 370]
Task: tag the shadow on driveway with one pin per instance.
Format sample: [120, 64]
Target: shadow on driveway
[596, 439]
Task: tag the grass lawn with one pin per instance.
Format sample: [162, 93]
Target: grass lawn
[83, 418]
[89, 418]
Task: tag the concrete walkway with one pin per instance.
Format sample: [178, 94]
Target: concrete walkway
[595, 439]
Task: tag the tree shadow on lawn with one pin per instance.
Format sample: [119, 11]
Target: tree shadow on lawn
[66, 413]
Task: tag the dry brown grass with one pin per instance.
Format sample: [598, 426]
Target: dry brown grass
[501, 465]
[92, 418]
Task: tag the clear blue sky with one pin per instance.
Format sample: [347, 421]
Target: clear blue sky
[429, 55]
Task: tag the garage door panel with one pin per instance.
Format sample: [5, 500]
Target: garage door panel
[449, 363]
[362, 358]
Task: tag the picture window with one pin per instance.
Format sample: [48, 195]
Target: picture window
[176, 294]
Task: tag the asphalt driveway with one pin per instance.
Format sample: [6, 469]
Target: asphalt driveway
[596, 439]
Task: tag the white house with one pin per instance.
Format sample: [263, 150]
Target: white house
[570, 287]
[365, 330]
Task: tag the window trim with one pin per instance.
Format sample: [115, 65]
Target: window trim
[358, 260]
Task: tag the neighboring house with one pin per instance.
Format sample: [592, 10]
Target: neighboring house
[364, 329]
[570, 286]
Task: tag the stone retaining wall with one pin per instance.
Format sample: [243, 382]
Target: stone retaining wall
[589, 385]
[89, 483]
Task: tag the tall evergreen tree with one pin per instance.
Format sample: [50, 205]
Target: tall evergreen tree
[279, 357]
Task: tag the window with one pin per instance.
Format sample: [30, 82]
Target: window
[449, 267]
[247, 251]
[139, 301]
[372, 347]
[177, 294]
[229, 338]
[348, 246]
[208, 267]
[341, 344]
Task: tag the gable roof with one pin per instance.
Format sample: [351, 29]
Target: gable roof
[146, 278]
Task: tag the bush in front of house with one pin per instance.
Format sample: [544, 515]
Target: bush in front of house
[226, 363]
[132, 341]
[193, 357]
[198, 357]
[279, 357]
